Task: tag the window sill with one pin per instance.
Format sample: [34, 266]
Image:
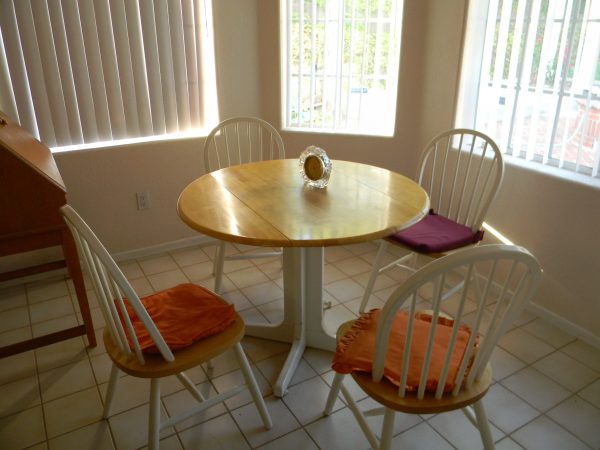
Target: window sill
[554, 172]
[337, 132]
[202, 133]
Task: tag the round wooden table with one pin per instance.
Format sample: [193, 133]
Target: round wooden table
[267, 204]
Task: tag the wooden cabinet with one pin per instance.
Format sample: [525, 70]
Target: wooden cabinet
[31, 193]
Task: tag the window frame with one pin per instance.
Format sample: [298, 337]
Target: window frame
[467, 106]
[285, 70]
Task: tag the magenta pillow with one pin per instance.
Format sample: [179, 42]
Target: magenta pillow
[435, 234]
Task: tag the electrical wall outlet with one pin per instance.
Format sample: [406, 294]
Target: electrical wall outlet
[143, 200]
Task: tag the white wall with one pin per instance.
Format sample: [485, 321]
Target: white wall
[557, 220]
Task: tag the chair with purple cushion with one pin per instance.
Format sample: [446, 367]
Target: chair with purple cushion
[461, 170]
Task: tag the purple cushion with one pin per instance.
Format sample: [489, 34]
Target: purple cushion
[435, 234]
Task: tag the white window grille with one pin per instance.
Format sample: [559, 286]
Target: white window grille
[531, 80]
[341, 60]
[79, 71]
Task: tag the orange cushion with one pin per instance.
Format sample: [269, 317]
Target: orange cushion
[355, 350]
[183, 314]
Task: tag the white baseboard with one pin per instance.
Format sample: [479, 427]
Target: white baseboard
[145, 252]
[565, 325]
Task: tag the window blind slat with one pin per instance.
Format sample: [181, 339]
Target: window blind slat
[545, 59]
[7, 96]
[138, 64]
[519, 41]
[94, 70]
[155, 87]
[165, 57]
[524, 77]
[51, 74]
[123, 49]
[66, 75]
[179, 64]
[31, 54]
[79, 69]
[18, 71]
[109, 69]
[191, 63]
[566, 37]
[313, 62]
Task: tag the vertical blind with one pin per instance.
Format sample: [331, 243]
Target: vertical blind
[538, 87]
[80, 71]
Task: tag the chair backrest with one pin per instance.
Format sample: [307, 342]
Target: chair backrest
[498, 282]
[240, 140]
[113, 290]
[461, 170]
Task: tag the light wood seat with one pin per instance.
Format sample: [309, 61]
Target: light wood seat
[386, 393]
[126, 316]
[186, 358]
[437, 364]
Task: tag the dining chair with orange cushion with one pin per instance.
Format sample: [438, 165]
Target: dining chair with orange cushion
[162, 334]
[461, 170]
[413, 358]
[234, 141]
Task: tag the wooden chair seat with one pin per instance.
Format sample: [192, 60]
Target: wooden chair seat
[155, 365]
[386, 392]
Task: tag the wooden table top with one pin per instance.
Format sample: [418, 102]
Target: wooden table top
[266, 203]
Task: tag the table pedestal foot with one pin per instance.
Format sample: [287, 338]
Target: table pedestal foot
[289, 367]
[281, 332]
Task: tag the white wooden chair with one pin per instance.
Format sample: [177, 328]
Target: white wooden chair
[461, 186]
[511, 276]
[120, 305]
[235, 141]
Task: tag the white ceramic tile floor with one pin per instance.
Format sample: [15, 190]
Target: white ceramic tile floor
[546, 393]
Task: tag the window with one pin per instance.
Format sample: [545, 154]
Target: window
[341, 60]
[533, 82]
[79, 72]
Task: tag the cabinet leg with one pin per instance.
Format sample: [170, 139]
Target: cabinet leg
[72, 259]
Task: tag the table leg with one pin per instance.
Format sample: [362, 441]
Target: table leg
[302, 323]
[316, 336]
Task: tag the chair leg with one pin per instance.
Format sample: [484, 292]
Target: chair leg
[110, 392]
[388, 429]
[218, 266]
[253, 386]
[154, 415]
[189, 385]
[360, 418]
[483, 425]
[374, 273]
[333, 392]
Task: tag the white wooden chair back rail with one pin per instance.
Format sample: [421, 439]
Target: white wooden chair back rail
[240, 140]
[461, 184]
[461, 170]
[511, 276]
[113, 291]
[111, 286]
[236, 141]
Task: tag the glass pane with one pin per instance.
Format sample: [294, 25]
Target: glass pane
[350, 54]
